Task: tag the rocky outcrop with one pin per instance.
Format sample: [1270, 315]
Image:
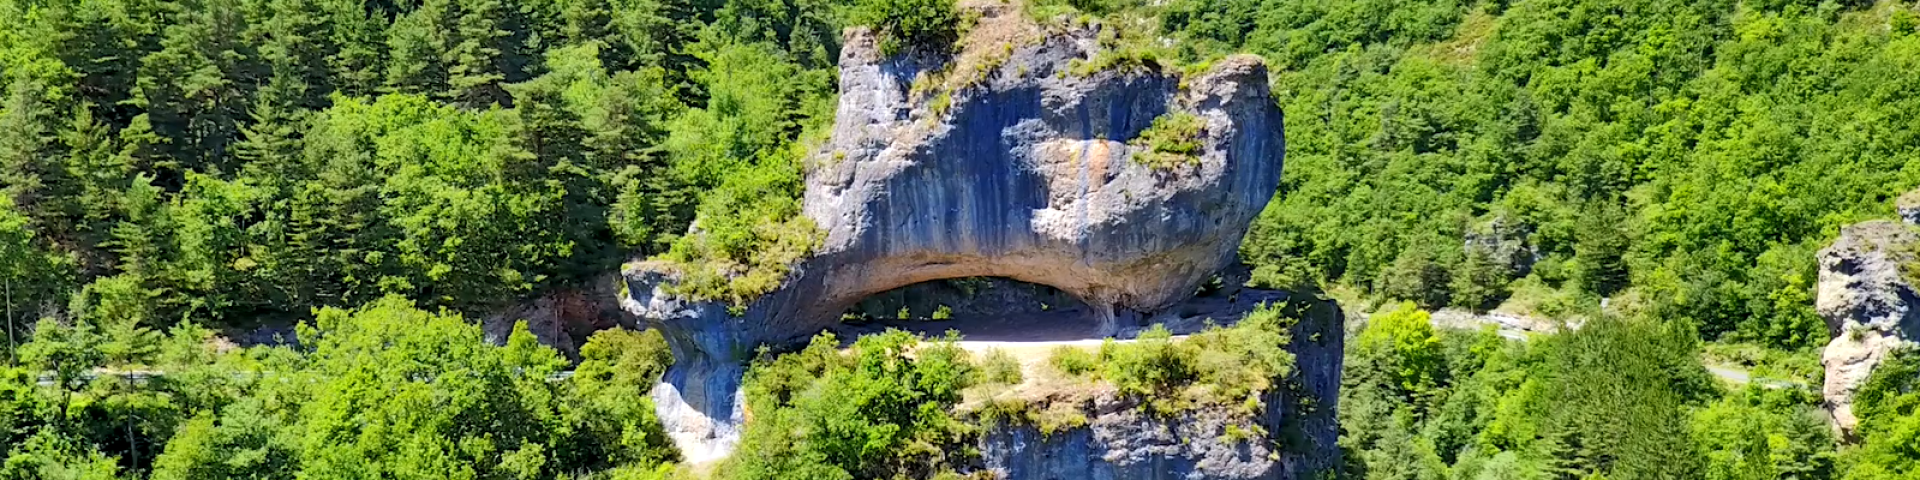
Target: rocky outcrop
[1024, 168]
[1503, 241]
[1871, 309]
[1294, 437]
[564, 318]
[1909, 207]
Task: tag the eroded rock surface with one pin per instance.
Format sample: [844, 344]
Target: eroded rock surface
[1294, 435]
[1909, 207]
[565, 318]
[1870, 308]
[1024, 171]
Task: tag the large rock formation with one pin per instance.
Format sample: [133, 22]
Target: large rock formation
[1871, 309]
[1123, 441]
[1022, 169]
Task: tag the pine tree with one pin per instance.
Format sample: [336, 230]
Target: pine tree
[103, 42]
[295, 42]
[198, 88]
[415, 42]
[95, 164]
[489, 52]
[359, 67]
[29, 161]
[627, 128]
[590, 22]
[659, 33]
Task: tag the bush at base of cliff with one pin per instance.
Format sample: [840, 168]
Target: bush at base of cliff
[874, 412]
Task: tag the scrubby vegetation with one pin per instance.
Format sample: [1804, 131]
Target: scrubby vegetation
[1229, 366]
[1173, 141]
[873, 412]
[904, 23]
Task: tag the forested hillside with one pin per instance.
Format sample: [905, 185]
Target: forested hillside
[1683, 157]
[1664, 169]
[171, 166]
[240, 159]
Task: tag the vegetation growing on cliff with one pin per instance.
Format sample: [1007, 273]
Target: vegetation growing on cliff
[1172, 141]
[1911, 268]
[904, 23]
[891, 405]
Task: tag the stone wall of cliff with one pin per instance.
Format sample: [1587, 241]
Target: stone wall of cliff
[1871, 306]
[999, 159]
[1294, 437]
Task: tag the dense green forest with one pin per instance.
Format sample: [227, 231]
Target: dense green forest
[381, 170]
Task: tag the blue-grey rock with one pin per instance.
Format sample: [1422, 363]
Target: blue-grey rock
[1294, 438]
[1025, 172]
[1872, 309]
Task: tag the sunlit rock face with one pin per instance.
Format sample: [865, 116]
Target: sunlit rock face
[1870, 308]
[1028, 172]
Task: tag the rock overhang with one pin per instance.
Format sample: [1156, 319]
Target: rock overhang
[1029, 172]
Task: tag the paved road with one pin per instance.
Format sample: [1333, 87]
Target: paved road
[1742, 377]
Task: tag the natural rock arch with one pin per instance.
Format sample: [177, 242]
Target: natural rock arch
[1029, 173]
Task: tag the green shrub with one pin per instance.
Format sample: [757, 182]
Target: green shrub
[1153, 364]
[1073, 360]
[1247, 359]
[1172, 141]
[875, 411]
[1219, 366]
[941, 103]
[943, 313]
[1000, 367]
[906, 23]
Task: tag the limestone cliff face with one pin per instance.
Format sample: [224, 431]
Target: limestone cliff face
[1870, 308]
[1293, 438]
[1025, 172]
